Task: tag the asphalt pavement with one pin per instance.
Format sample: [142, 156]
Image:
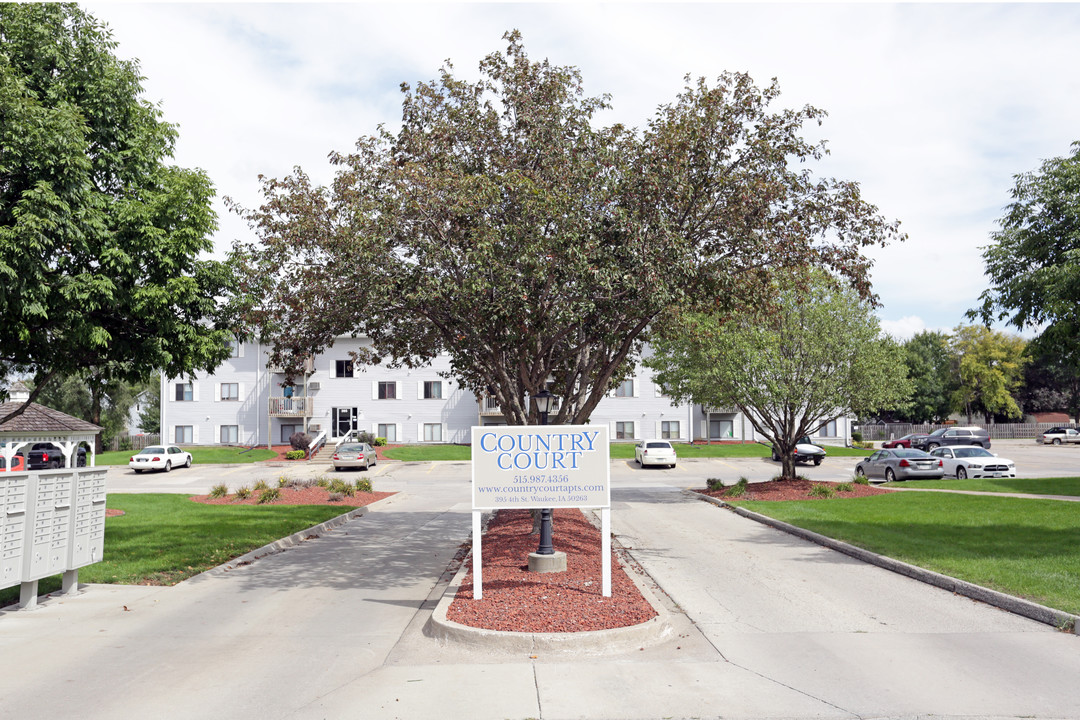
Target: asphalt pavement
[770, 626]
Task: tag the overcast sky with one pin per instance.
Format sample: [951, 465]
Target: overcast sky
[932, 108]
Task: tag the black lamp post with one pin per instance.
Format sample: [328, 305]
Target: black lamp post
[544, 400]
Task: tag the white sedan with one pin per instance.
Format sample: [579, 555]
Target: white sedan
[963, 461]
[654, 452]
[160, 457]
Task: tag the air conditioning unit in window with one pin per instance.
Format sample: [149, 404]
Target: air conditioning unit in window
[313, 385]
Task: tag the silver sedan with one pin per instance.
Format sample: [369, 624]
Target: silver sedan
[965, 461]
[901, 464]
[354, 455]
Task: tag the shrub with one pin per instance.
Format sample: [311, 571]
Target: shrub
[283, 482]
[861, 480]
[260, 486]
[367, 437]
[738, 489]
[322, 482]
[379, 442]
[296, 455]
[269, 495]
[845, 487]
[243, 493]
[856, 436]
[219, 491]
[714, 484]
[363, 486]
[822, 491]
[340, 487]
[300, 441]
[124, 444]
[334, 497]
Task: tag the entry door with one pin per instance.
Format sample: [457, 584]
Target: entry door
[719, 429]
[344, 420]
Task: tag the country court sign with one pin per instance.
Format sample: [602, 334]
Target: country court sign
[541, 466]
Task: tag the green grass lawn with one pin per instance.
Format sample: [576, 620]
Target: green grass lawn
[165, 538]
[208, 455]
[1033, 486]
[619, 451]
[1026, 548]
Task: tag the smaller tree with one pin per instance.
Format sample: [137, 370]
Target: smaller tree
[929, 363]
[150, 411]
[989, 367]
[817, 356]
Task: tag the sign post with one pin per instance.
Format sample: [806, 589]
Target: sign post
[541, 466]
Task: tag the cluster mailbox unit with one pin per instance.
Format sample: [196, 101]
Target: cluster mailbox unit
[51, 522]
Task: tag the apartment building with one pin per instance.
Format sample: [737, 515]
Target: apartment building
[245, 402]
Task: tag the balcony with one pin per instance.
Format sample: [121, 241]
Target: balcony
[707, 409]
[294, 407]
[490, 407]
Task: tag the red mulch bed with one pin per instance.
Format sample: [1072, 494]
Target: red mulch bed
[793, 490]
[522, 601]
[298, 496]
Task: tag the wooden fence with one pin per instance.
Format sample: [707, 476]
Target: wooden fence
[998, 431]
[134, 442]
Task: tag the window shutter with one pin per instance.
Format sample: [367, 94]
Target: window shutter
[217, 392]
[420, 432]
[240, 349]
[636, 386]
[374, 389]
[217, 434]
[195, 391]
[420, 389]
[240, 391]
[194, 434]
[659, 429]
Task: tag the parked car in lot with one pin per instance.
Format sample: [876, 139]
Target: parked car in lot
[963, 461]
[901, 464]
[953, 436]
[904, 441]
[17, 464]
[655, 452]
[1058, 435]
[160, 457]
[49, 456]
[805, 451]
[354, 455]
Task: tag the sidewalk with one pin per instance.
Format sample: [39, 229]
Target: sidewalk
[781, 628]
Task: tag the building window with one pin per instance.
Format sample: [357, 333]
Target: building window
[184, 392]
[829, 430]
[230, 434]
[287, 431]
[624, 431]
[184, 435]
[233, 347]
[625, 388]
[388, 431]
[669, 429]
[230, 391]
[432, 390]
[387, 390]
[343, 368]
[432, 432]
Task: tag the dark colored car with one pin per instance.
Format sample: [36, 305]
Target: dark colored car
[901, 464]
[904, 441]
[47, 456]
[953, 436]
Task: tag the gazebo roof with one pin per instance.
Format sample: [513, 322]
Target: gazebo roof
[40, 420]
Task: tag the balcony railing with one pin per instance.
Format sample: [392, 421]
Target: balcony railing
[292, 407]
[490, 406]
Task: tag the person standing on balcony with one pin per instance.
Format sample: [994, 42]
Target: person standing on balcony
[287, 391]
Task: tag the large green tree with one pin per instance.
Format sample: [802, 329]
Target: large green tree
[1033, 263]
[102, 401]
[100, 237]
[818, 357]
[989, 367]
[504, 225]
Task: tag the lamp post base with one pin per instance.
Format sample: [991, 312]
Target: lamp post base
[547, 563]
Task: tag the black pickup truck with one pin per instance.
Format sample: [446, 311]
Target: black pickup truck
[46, 456]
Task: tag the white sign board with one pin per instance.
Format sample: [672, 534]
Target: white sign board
[541, 466]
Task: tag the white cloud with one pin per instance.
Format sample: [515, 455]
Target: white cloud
[932, 107]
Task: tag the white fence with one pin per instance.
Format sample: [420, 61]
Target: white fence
[998, 431]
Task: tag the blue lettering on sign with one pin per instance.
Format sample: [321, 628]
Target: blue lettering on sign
[536, 451]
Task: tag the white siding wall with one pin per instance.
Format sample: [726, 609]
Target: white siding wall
[456, 412]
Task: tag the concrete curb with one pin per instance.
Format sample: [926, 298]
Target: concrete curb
[291, 541]
[592, 643]
[1015, 605]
